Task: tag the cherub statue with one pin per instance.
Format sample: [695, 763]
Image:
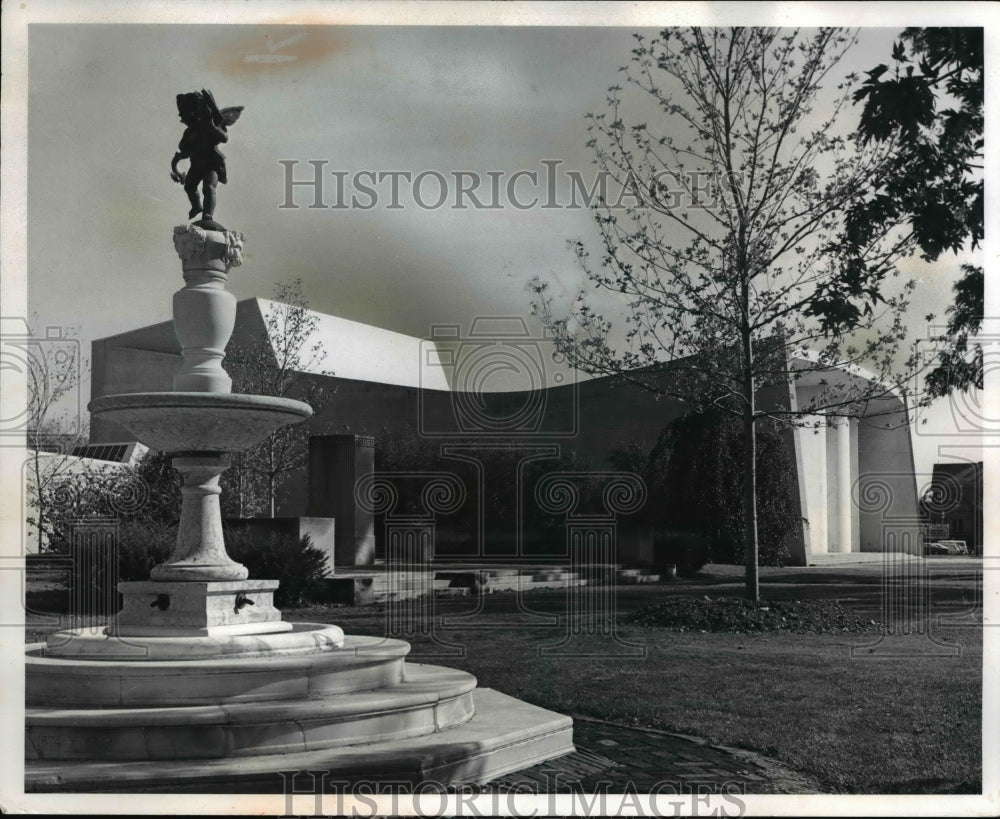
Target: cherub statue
[206, 128]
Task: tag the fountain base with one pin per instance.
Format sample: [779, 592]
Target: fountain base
[237, 713]
[199, 686]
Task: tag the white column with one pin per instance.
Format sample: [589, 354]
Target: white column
[814, 474]
[842, 427]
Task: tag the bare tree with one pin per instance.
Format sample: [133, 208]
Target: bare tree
[720, 250]
[52, 431]
[284, 362]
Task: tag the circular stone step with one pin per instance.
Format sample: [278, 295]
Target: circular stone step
[358, 664]
[431, 699]
[298, 638]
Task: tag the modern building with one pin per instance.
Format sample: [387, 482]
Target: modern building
[855, 478]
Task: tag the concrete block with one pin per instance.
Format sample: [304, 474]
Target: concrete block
[336, 463]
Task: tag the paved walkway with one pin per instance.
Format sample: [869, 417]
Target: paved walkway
[617, 758]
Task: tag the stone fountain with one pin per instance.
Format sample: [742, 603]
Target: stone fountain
[199, 685]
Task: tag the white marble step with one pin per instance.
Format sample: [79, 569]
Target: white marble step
[360, 664]
[430, 699]
[859, 558]
[529, 582]
[504, 735]
[637, 579]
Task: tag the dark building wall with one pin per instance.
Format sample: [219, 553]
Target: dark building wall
[886, 492]
[119, 369]
[960, 501]
[590, 418]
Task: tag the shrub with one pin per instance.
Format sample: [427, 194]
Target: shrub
[141, 546]
[688, 550]
[695, 477]
[747, 617]
[147, 494]
[298, 564]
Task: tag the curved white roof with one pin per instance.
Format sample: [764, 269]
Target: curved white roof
[361, 352]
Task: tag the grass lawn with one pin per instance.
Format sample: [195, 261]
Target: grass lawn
[868, 725]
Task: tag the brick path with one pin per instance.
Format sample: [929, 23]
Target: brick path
[614, 758]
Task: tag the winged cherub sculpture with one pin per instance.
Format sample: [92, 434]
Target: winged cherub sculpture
[206, 129]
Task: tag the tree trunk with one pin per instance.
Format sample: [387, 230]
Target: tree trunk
[750, 504]
[238, 464]
[42, 501]
[749, 453]
[270, 475]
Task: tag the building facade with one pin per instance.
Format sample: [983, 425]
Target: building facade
[855, 482]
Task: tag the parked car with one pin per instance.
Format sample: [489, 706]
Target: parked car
[946, 547]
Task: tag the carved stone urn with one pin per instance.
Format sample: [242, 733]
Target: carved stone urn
[204, 311]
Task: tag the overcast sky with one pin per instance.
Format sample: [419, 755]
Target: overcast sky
[103, 127]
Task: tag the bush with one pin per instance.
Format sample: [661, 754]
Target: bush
[689, 551]
[695, 477]
[746, 617]
[141, 546]
[147, 495]
[298, 564]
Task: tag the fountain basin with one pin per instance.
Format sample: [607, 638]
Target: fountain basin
[199, 421]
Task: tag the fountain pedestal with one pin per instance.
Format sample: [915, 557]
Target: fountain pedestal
[200, 553]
